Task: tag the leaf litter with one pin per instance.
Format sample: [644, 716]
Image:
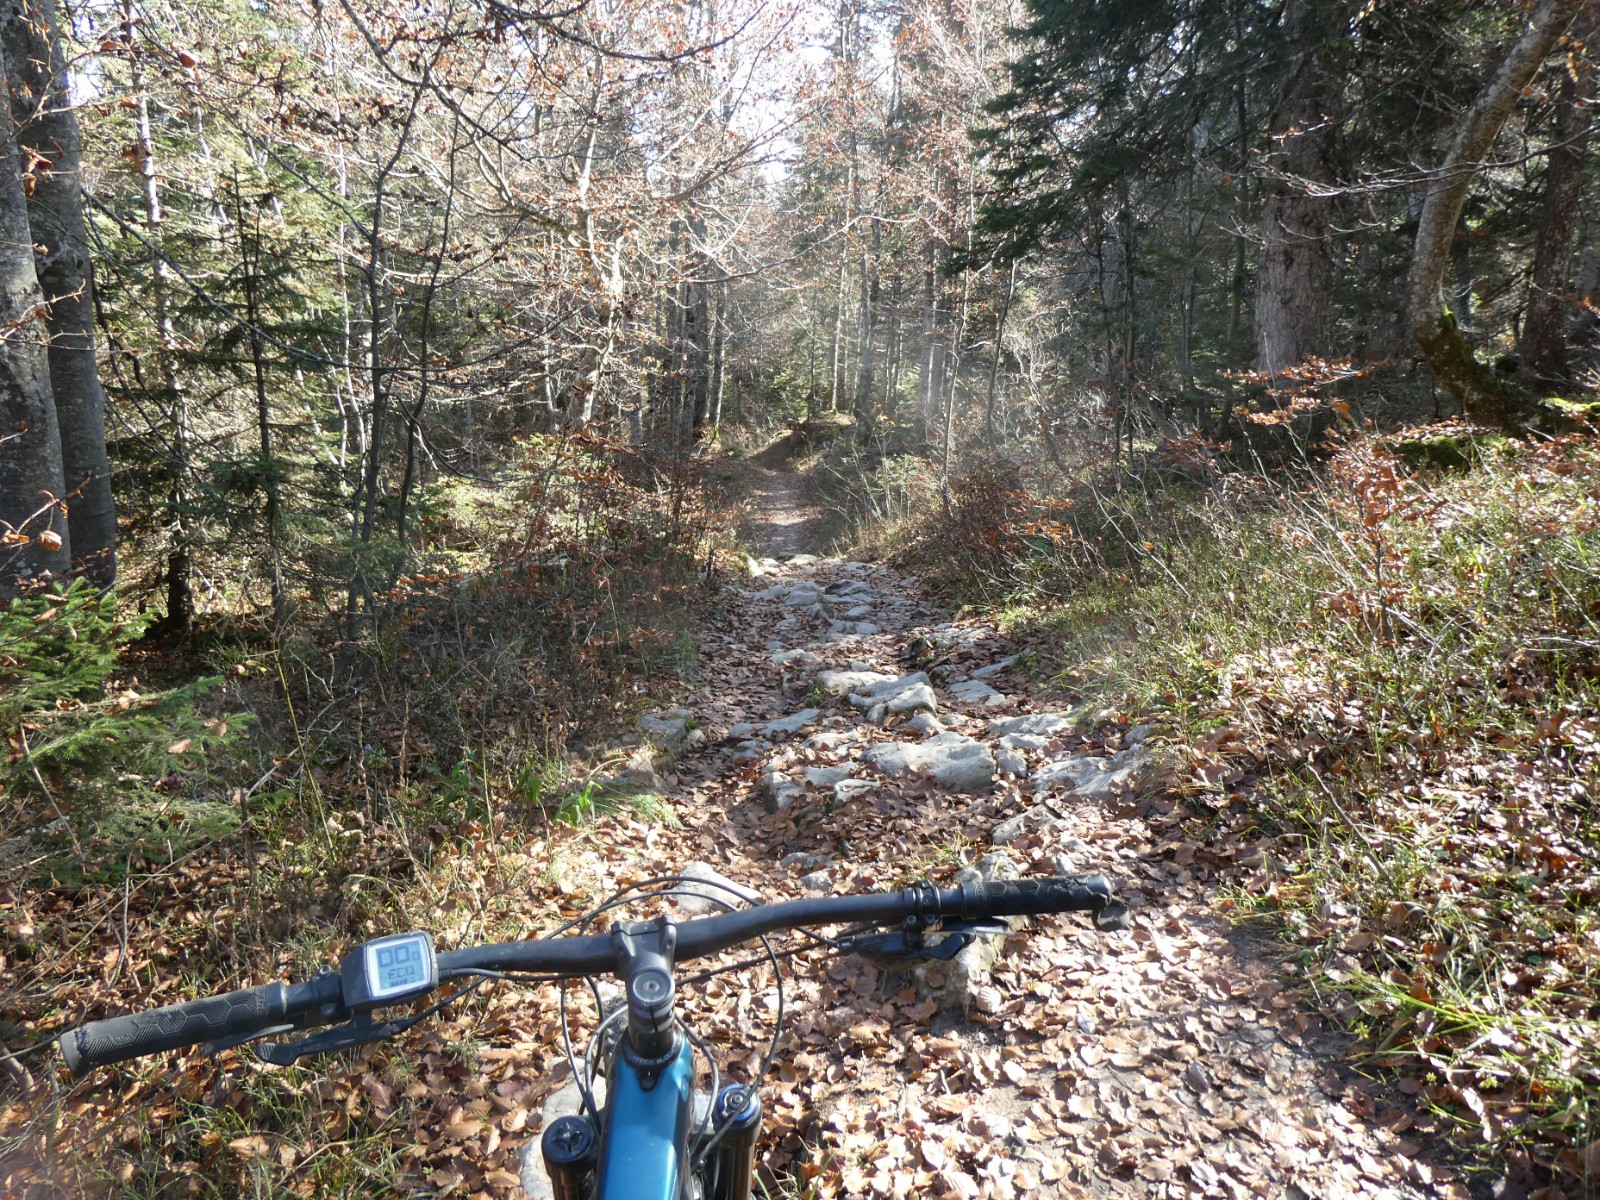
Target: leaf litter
[1169, 1060]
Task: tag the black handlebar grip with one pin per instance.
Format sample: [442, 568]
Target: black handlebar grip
[1031, 897]
[116, 1038]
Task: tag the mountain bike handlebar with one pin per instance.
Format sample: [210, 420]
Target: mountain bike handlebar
[277, 1006]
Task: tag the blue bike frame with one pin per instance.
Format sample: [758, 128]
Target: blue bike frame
[644, 1144]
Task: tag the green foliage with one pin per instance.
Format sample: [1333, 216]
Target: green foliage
[100, 771]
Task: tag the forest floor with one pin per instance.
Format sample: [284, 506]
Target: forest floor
[1178, 1058]
[1182, 1057]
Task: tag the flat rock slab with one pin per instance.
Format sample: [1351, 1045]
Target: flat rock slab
[1045, 725]
[1093, 777]
[781, 727]
[952, 760]
[847, 790]
[838, 683]
[995, 667]
[975, 691]
[708, 890]
[909, 693]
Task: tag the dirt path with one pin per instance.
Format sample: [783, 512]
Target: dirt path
[787, 519]
[1157, 1062]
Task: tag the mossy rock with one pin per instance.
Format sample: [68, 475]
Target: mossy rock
[1441, 452]
[1575, 411]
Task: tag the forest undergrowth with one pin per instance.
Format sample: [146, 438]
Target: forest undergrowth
[1388, 672]
[280, 799]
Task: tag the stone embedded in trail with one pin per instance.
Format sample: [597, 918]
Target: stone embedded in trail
[672, 730]
[817, 881]
[1008, 831]
[710, 890]
[778, 791]
[1050, 724]
[779, 727]
[925, 722]
[1093, 777]
[995, 667]
[831, 739]
[837, 683]
[1024, 741]
[952, 760]
[803, 560]
[842, 589]
[859, 612]
[954, 985]
[799, 659]
[847, 790]
[1011, 763]
[803, 595]
[826, 777]
[975, 691]
[761, 566]
[910, 693]
[852, 628]
[751, 749]
[803, 861]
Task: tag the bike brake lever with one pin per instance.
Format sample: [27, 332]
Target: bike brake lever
[358, 1032]
[211, 1049]
[895, 950]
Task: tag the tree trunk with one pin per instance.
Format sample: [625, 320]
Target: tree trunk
[1295, 275]
[48, 131]
[1543, 345]
[1475, 387]
[34, 537]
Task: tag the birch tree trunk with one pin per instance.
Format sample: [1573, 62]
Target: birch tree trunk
[1475, 387]
[47, 129]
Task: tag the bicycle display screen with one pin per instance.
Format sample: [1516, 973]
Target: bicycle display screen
[391, 969]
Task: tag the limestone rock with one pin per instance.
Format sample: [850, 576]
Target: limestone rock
[953, 761]
[710, 891]
[954, 985]
[996, 667]
[1096, 777]
[778, 791]
[847, 790]
[826, 777]
[925, 722]
[817, 881]
[1045, 725]
[1009, 762]
[909, 693]
[844, 589]
[975, 691]
[781, 727]
[673, 730]
[838, 683]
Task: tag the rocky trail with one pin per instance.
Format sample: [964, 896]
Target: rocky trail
[844, 738]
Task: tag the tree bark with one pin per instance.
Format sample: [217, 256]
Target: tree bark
[1295, 275]
[1543, 344]
[1475, 387]
[34, 538]
[48, 131]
